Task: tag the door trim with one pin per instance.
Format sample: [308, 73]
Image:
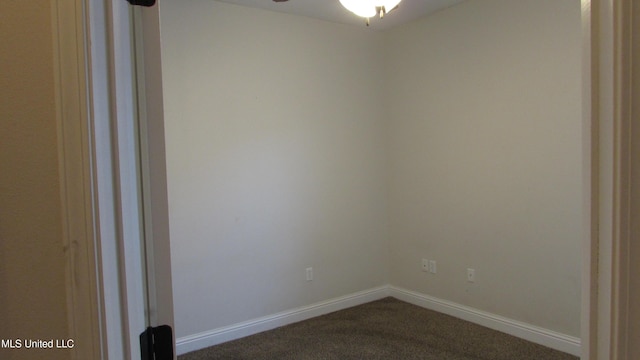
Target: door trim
[99, 175]
[76, 185]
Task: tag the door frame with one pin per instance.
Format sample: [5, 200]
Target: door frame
[102, 172]
[109, 300]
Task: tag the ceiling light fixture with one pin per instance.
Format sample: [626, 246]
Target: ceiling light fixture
[369, 8]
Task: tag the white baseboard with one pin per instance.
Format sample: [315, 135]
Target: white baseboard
[217, 336]
[538, 335]
[521, 330]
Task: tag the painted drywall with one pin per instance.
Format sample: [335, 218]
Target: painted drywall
[275, 151]
[295, 143]
[485, 157]
[32, 280]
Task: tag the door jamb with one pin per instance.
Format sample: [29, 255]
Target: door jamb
[99, 176]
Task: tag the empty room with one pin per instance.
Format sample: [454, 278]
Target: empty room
[315, 164]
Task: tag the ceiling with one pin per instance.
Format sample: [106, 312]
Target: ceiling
[331, 10]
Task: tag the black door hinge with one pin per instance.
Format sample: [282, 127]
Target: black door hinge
[156, 343]
[142, 2]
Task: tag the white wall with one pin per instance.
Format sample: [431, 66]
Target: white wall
[275, 159]
[281, 155]
[485, 154]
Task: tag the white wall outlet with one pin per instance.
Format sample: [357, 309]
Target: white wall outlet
[309, 274]
[471, 275]
[432, 267]
[425, 265]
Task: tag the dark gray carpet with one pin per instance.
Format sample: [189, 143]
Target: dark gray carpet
[384, 329]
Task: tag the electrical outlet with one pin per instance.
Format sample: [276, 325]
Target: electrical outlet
[425, 265]
[471, 275]
[432, 267]
[309, 274]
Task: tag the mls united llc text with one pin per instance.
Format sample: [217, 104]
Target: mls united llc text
[37, 344]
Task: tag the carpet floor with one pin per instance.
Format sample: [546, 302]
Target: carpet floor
[384, 329]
